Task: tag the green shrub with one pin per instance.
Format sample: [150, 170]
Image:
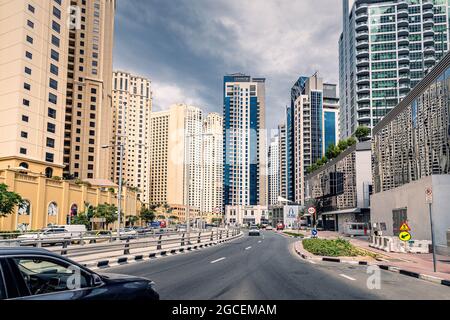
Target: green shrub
[332, 248]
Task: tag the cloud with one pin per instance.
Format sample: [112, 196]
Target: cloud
[186, 46]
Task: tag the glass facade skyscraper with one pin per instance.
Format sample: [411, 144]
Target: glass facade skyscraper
[385, 49]
[244, 141]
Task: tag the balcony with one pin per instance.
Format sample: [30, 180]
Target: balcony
[402, 13]
[363, 16]
[362, 53]
[403, 22]
[404, 87]
[431, 60]
[363, 107]
[363, 80]
[362, 71]
[428, 13]
[428, 22]
[403, 59]
[363, 89]
[363, 44]
[402, 4]
[403, 31]
[364, 62]
[429, 50]
[403, 50]
[362, 26]
[403, 40]
[427, 4]
[360, 35]
[364, 118]
[361, 8]
[428, 32]
[364, 98]
[427, 41]
[404, 78]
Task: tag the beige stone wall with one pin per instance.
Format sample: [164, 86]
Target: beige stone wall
[40, 192]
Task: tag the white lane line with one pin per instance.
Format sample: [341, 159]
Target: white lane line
[347, 277]
[248, 248]
[259, 241]
[223, 258]
[312, 262]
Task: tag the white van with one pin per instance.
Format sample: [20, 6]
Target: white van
[55, 232]
[75, 230]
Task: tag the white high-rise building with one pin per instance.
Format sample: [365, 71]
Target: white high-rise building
[212, 152]
[385, 49]
[274, 170]
[132, 102]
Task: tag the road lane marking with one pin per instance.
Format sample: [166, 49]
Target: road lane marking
[347, 277]
[248, 248]
[312, 262]
[223, 258]
[259, 241]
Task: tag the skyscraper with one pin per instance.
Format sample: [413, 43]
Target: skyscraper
[176, 146]
[385, 49]
[88, 107]
[274, 170]
[132, 101]
[212, 165]
[33, 67]
[282, 160]
[245, 164]
[314, 127]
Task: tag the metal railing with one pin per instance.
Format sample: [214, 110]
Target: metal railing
[85, 245]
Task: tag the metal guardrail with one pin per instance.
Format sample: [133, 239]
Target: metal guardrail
[88, 245]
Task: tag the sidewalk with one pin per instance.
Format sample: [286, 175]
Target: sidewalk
[418, 263]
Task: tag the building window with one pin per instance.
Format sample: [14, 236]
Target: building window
[51, 127]
[26, 102]
[26, 86]
[27, 70]
[29, 39]
[23, 151]
[30, 24]
[50, 142]
[57, 12]
[53, 84]
[24, 165]
[49, 173]
[24, 134]
[52, 98]
[52, 209]
[56, 27]
[25, 118]
[55, 41]
[52, 113]
[29, 55]
[49, 157]
[54, 69]
[25, 208]
[54, 55]
[30, 8]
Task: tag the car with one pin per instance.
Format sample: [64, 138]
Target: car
[126, 233]
[269, 228]
[38, 274]
[254, 231]
[53, 235]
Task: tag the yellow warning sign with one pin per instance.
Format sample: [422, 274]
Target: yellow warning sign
[405, 227]
[405, 236]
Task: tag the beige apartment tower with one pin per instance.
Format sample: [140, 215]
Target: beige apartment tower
[132, 100]
[89, 110]
[33, 61]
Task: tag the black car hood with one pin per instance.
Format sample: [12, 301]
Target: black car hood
[115, 277]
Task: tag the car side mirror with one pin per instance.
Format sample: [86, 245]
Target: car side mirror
[96, 280]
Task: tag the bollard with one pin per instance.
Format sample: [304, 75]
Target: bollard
[220, 234]
[127, 247]
[64, 252]
[199, 237]
[228, 234]
[159, 246]
[81, 239]
[212, 236]
[182, 239]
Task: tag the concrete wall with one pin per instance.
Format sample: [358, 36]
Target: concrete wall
[412, 197]
[363, 165]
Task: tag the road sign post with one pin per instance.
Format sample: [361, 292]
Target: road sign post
[429, 200]
[312, 211]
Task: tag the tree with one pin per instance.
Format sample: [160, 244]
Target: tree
[132, 220]
[82, 219]
[362, 132]
[8, 201]
[343, 144]
[147, 214]
[162, 217]
[108, 212]
[351, 141]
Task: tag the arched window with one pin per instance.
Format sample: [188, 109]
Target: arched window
[25, 208]
[52, 209]
[74, 210]
[24, 165]
[49, 172]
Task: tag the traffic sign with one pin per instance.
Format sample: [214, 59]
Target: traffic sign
[405, 227]
[311, 210]
[405, 236]
[429, 195]
[314, 232]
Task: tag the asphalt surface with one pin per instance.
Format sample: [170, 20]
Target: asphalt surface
[267, 268]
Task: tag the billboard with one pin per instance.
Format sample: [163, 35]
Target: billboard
[291, 214]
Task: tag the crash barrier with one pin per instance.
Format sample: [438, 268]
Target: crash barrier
[394, 244]
[81, 246]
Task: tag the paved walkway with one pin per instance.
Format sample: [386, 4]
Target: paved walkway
[420, 263]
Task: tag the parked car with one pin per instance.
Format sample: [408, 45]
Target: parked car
[126, 233]
[37, 274]
[254, 231]
[53, 235]
[280, 226]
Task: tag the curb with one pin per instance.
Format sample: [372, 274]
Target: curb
[383, 267]
[104, 264]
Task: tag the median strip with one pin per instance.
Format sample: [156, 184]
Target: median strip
[215, 261]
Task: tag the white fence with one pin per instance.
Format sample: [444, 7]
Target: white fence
[394, 244]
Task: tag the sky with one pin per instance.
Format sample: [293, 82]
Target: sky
[185, 47]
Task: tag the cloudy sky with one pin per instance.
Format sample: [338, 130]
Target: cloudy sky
[186, 46]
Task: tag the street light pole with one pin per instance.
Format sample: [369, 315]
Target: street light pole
[119, 195]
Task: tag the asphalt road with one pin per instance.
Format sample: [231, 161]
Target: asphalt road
[266, 268]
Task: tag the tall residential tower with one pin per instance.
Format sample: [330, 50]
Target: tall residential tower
[385, 49]
[244, 147]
